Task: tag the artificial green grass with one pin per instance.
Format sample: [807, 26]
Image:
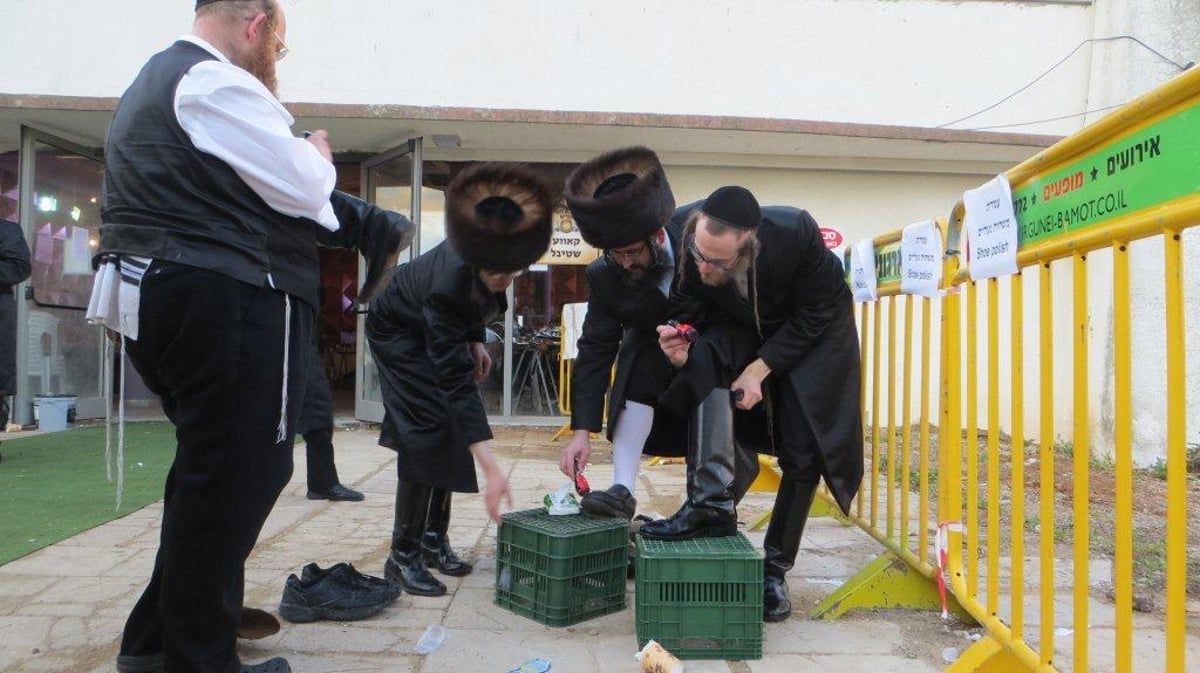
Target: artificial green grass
[53, 486]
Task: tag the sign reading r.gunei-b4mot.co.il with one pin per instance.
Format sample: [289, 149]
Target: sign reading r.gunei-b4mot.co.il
[1155, 165]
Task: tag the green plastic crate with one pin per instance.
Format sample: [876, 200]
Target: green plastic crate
[702, 598]
[561, 570]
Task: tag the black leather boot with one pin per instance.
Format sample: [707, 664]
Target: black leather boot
[745, 471]
[405, 564]
[709, 510]
[435, 544]
[781, 545]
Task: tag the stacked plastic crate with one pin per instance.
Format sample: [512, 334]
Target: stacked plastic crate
[561, 570]
[701, 598]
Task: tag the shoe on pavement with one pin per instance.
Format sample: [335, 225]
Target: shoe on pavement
[347, 574]
[326, 598]
[337, 492]
[276, 665]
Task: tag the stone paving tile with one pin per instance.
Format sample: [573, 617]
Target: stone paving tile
[66, 561]
[62, 608]
[869, 663]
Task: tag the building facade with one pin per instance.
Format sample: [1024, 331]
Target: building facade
[869, 113]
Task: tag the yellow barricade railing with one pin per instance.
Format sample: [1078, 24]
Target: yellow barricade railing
[984, 493]
[1162, 203]
[893, 503]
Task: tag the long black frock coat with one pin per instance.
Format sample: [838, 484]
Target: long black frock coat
[419, 330]
[620, 324]
[800, 315]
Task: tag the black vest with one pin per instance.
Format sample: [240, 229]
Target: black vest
[167, 200]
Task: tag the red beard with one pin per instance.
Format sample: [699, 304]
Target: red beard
[261, 63]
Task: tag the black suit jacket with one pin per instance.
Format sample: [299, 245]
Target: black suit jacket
[620, 324]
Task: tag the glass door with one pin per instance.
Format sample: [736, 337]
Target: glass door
[387, 180]
[58, 353]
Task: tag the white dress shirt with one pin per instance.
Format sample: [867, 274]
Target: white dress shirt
[229, 114]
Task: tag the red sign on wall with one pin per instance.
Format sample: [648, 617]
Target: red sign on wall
[832, 237]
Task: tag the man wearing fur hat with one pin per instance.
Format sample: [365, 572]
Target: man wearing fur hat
[426, 331]
[621, 203]
[778, 341]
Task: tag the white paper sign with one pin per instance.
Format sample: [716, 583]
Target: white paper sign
[572, 328]
[991, 228]
[862, 271]
[921, 259]
[78, 259]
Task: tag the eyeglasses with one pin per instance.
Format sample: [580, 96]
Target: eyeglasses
[725, 265]
[497, 275]
[281, 52]
[618, 255]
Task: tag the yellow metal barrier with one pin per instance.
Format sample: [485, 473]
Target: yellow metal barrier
[903, 576]
[1157, 203]
[981, 546]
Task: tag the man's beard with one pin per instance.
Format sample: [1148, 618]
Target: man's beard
[638, 273]
[634, 274]
[261, 64]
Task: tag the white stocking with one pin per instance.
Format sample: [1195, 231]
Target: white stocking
[633, 427]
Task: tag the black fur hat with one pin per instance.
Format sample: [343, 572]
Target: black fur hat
[499, 216]
[619, 198]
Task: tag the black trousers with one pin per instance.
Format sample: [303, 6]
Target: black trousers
[715, 361]
[650, 375]
[316, 424]
[213, 349]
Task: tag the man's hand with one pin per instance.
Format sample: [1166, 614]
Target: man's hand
[496, 488]
[320, 140]
[750, 383]
[495, 483]
[673, 345]
[483, 361]
[575, 453]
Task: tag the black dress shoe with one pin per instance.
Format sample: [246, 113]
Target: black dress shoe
[327, 598]
[616, 502]
[440, 555]
[349, 575]
[777, 605]
[140, 663]
[276, 665]
[692, 522]
[336, 492]
[409, 571]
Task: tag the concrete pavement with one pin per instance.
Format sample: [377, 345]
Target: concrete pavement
[62, 608]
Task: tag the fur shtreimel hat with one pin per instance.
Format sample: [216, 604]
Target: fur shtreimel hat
[619, 198]
[499, 216]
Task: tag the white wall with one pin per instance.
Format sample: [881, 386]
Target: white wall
[907, 62]
[1173, 28]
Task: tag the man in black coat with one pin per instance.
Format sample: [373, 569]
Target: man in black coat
[14, 268]
[621, 201]
[380, 235]
[426, 332]
[777, 327]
